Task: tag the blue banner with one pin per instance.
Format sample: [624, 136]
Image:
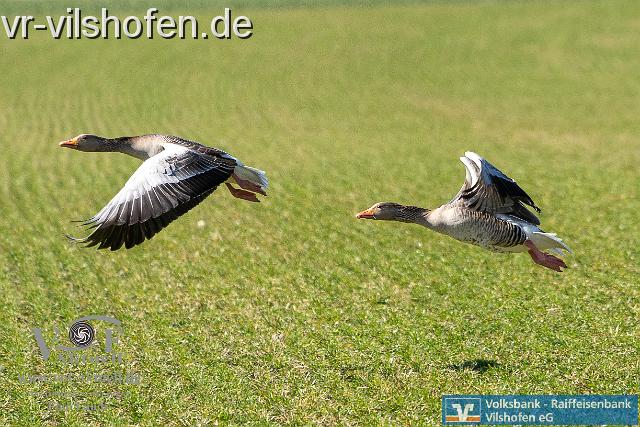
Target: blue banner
[543, 409]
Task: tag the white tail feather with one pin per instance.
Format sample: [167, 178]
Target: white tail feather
[549, 241]
[253, 175]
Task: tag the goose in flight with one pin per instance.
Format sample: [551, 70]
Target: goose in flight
[176, 175]
[488, 211]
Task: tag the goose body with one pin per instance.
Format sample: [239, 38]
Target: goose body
[489, 211]
[176, 175]
[477, 228]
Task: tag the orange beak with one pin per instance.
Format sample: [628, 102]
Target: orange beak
[70, 143]
[366, 214]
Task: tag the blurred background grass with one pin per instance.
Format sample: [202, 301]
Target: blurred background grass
[59, 6]
[291, 311]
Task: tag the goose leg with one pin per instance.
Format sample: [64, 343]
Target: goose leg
[242, 194]
[544, 259]
[248, 185]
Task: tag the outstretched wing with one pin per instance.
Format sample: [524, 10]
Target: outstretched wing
[164, 187]
[487, 189]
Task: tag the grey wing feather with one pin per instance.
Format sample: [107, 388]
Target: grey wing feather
[487, 189]
[164, 187]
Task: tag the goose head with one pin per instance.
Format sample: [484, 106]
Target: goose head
[382, 211]
[390, 211]
[86, 142]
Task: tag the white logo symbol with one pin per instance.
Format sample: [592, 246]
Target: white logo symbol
[462, 414]
[466, 410]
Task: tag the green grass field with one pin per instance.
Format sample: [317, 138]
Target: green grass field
[291, 311]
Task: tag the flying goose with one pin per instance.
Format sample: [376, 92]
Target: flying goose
[176, 175]
[488, 211]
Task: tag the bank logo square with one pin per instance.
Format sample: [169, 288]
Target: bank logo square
[462, 410]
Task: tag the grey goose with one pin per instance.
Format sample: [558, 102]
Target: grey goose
[489, 211]
[176, 175]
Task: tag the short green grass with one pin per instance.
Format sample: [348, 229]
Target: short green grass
[291, 311]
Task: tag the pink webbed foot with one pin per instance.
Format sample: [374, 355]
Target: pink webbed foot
[248, 185]
[544, 259]
[242, 194]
